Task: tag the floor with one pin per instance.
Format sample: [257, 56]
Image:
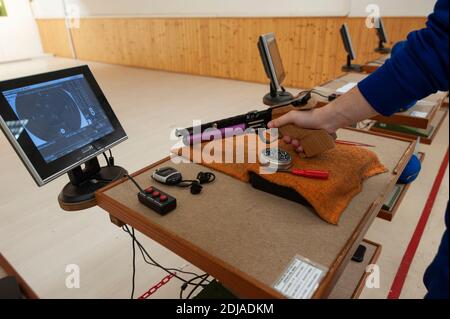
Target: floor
[42, 242]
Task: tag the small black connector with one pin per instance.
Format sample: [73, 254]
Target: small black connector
[303, 101]
[332, 97]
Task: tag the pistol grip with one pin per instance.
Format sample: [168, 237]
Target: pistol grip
[313, 142]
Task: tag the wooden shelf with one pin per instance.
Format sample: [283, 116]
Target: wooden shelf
[420, 115]
[436, 123]
[352, 281]
[407, 117]
[389, 215]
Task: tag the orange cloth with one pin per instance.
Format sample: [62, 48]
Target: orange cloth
[349, 166]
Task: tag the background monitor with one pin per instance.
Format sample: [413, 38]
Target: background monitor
[382, 38]
[381, 31]
[273, 66]
[346, 39]
[57, 121]
[271, 58]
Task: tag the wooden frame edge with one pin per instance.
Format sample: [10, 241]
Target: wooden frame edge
[26, 290]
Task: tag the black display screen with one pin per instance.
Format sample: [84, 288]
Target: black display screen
[59, 116]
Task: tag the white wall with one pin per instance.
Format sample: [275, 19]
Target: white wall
[19, 36]
[229, 8]
[394, 8]
[193, 8]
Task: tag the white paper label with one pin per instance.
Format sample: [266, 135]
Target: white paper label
[300, 280]
[419, 114]
[346, 88]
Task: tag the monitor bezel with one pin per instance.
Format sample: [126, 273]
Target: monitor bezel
[41, 171]
[347, 40]
[277, 79]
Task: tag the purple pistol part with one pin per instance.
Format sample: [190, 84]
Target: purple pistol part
[208, 135]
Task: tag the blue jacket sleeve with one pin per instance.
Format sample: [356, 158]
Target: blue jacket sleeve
[419, 68]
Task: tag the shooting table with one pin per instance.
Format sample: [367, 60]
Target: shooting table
[246, 238]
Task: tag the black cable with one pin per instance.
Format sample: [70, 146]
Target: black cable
[111, 158]
[301, 94]
[155, 263]
[196, 287]
[142, 250]
[185, 285]
[202, 178]
[320, 94]
[125, 229]
[186, 183]
[134, 266]
[106, 159]
[181, 291]
[134, 182]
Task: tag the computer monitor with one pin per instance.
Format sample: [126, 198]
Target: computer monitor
[58, 121]
[273, 66]
[351, 55]
[382, 37]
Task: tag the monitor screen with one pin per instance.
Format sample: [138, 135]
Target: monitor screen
[276, 59]
[272, 59]
[57, 121]
[346, 39]
[59, 116]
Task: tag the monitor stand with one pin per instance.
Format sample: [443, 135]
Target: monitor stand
[276, 97]
[349, 67]
[382, 49]
[79, 193]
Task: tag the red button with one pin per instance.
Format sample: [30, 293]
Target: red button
[156, 194]
[149, 190]
[162, 198]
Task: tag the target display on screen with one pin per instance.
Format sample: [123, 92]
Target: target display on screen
[60, 116]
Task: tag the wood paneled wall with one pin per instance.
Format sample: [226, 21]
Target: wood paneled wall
[55, 37]
[311, 48]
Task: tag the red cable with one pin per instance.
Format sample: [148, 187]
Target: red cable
[402, 272]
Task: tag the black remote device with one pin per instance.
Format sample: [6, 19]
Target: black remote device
[359, 254]
[157, 200]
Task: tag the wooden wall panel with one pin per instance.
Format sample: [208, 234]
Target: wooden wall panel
[223, 47]
[54, 37]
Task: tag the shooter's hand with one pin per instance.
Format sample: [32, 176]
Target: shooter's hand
[346, 110]
[303, 119]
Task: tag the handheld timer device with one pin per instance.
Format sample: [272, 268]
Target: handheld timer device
[167, 175]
